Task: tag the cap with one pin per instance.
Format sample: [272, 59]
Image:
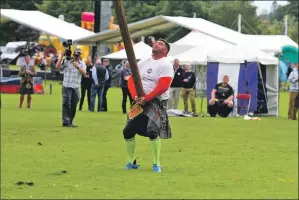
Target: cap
[166, 43]
[77, 51]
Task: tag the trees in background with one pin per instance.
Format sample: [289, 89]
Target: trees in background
[221, 12]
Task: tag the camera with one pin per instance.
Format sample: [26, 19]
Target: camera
[68, 52]
[28, 49]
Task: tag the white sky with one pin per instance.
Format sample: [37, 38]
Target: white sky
[266, 5]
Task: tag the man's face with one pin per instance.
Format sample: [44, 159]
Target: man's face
[187, 67]
[159, 48]
[27, 59]
[225, 79]
[88, 60]
[105, 63]
[176, 62]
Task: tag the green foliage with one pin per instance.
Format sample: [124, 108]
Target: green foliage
[219, 12]
[14, 31]
[71, 10]
[226, 14]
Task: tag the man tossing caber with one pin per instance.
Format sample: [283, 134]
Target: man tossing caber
[156, 75]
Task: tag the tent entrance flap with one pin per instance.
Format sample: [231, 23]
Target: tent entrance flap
[262, 100]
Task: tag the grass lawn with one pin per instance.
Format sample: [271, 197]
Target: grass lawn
[206, 158]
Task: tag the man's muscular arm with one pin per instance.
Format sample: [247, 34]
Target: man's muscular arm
[131, 87]
[162, 86]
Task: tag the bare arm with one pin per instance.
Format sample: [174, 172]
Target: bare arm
[126, 78]
[213, 93]
[58, 64]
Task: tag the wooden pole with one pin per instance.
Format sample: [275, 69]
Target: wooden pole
[122, 22]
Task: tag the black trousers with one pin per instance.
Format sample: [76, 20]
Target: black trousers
[104, 106]
[84, 89]
[142, 126]
[70, 99]
[219, 108]
[126, 93]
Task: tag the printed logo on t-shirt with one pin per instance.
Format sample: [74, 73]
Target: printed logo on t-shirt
[149, 71]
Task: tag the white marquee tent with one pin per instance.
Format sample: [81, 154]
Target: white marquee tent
[268, 43]
[251, 71]
[204, 44]
[45, 23]
[239, 53]
[141, 51]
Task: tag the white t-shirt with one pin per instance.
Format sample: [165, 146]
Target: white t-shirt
[151, 71]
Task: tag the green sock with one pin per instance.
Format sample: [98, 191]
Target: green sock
[156, 148]
[130, 144]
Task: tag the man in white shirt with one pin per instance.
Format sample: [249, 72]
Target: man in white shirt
[294, 92]
[156, 75]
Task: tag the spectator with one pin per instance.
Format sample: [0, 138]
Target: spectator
[99, 75]
[221, 101]
[106, 64]
[26, 73]
[86, 82]
[294, 92]
[124, 76]
[188, 83]
[72, 72]
[175, 87]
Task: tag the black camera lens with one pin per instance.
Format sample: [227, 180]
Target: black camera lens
[65, 44]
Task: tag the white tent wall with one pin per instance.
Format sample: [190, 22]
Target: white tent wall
[272, 87]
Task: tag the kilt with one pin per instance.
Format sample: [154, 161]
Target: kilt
[156, 111]
[26, 88]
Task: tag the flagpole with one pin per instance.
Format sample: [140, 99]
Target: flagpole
[286, 25]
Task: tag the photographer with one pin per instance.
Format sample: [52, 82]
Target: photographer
[73, 69]
[26, 73]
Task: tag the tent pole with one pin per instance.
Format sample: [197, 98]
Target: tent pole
[261, 77]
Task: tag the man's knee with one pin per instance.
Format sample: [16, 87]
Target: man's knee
[66, 102]
[128, 132]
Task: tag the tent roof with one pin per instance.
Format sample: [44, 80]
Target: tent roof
[198, 54]
[155, 24]
[45, 23]
[268, 43]
[198, 38]
[176, 49]
[203, 45]
[141, 51]
[240, 53]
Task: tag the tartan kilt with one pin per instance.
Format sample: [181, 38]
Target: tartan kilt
[26, 88]
[156, 111]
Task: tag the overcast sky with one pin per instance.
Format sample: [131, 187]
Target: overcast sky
[266, 5]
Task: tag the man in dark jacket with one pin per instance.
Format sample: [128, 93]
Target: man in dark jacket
[99, 75]
[109, 68]
[175, 87]
[86, 82]
[124, 76]
[188, 83]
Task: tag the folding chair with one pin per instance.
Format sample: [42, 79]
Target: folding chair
[242, 97]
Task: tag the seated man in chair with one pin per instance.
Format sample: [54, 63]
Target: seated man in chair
[221, 101]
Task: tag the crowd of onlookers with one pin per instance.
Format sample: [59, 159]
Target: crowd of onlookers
[98, 77]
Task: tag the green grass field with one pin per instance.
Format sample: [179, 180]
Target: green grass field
[206, 158]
